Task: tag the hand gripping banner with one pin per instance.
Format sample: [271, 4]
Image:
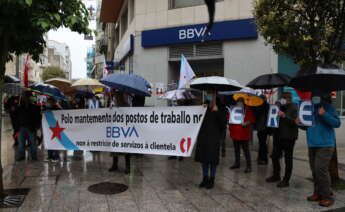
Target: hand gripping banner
[142, 130]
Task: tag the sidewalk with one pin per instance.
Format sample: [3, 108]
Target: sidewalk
[158, 184]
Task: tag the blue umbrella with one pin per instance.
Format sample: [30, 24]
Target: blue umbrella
[11, 79]
[48, 90]
[129, 83]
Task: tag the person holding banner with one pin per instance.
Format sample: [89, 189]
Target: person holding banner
[208, 141]
[284, 140]
[321, 144]
[241, 134]
[29, 117]
[121, 100]
[263, 131]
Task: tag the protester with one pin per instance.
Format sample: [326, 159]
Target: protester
[11, 106]
[94, 103]
[284, 141]
[53, 155]
[208, 144]
[241, 134]
[121, 100]
[222, 107]
[263, 131]
[321, 143]
[29, 121]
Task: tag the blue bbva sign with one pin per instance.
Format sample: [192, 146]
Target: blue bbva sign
[226, 30]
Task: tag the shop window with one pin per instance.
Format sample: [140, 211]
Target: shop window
[174, 4]
[339, 103]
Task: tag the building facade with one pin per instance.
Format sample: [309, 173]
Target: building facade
[59, 55]
[151, 35]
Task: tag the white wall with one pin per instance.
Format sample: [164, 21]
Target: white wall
[246, 59]
[152, 64]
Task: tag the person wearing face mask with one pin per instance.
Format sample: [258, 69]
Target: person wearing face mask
[284, 141]
[321, 146]
[241, 134]
[208, 141]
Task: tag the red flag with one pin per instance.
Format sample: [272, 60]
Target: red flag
[303, 95]
[26, 71]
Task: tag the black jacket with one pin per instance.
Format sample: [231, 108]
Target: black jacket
[208, 143]
[29, 116]
[288, 129]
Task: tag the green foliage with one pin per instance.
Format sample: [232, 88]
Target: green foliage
[306, 30]
[52, 72]
[23, 24]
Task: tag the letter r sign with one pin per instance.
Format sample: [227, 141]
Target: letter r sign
[273, 118]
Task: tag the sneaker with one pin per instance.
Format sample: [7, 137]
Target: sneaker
[283, 184]
[235, 166]
[313, 198]
[273, 179]
[326, 202]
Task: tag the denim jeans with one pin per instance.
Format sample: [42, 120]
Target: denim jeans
[30, 135]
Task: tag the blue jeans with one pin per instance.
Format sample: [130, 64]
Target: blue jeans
[206, 168]
[27, 134]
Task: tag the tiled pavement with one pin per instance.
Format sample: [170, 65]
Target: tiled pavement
[158, 184]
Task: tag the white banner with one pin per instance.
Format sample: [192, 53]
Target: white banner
[143, 130]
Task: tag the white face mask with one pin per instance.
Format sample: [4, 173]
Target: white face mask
[316, 100]
[283, 101]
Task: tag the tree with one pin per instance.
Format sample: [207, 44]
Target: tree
[52, 72]
[309, 31]
[23, 24]
[306, 30]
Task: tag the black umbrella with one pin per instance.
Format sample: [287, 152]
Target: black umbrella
[11, 79]
[326, 78]
[269, 81]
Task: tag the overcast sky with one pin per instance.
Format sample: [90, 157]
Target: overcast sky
[78, 46]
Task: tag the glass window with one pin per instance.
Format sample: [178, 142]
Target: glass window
[186, 3]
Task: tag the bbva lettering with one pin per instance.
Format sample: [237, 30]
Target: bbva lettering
[121, 132]
[191, 33]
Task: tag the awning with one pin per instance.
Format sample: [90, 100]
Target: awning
[110, 10]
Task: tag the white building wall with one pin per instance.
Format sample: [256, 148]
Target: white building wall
[246, 59]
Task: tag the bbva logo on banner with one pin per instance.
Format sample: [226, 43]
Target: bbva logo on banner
[236, 115]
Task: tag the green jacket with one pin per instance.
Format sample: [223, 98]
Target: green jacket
[288, 129]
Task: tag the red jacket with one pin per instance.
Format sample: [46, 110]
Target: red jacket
[237, 132]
